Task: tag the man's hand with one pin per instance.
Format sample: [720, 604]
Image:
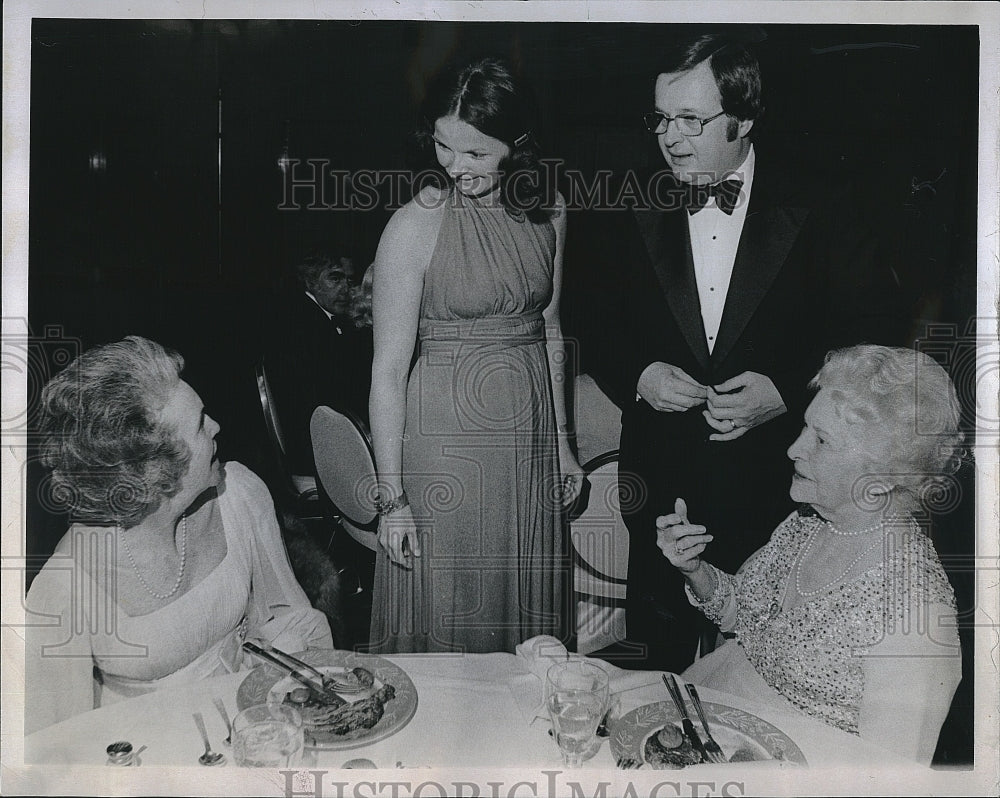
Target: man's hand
[737, 405]
[668, 389]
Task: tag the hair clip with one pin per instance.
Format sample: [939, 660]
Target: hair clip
[521, 139]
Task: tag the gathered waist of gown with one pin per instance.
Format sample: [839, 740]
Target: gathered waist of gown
[485, 332]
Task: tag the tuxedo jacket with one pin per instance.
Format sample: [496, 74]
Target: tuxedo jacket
[805, 280]
[310, 363]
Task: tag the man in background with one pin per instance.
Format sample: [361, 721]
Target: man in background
[315, 354]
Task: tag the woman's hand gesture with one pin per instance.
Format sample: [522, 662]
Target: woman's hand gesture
[681, 541]
[397, 534]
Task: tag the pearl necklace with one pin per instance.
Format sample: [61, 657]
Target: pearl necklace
[180, 574]
[847, 570]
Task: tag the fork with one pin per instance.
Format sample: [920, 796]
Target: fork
[715, 753]
[329, 682]
[321, 691]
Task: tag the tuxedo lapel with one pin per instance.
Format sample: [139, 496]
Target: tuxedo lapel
[667, 240]
[769, 232]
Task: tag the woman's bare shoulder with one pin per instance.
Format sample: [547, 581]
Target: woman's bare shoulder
[415, 226]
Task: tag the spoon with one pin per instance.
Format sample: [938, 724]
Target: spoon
[209, 757]
[225, 719]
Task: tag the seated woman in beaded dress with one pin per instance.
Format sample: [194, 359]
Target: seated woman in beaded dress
[846, 614]
[172, 557]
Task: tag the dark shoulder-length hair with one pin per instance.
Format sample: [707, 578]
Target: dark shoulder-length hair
[112, 458]
[491, 97]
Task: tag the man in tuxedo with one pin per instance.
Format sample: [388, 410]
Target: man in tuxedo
[732, 277]
[315, 354]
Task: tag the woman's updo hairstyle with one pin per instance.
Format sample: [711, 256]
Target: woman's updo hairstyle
[489, 96]
[906, 407]
[113, 459]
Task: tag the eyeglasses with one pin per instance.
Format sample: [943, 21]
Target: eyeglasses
[687, 124]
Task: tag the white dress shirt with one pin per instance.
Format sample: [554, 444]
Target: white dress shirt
[715, 237]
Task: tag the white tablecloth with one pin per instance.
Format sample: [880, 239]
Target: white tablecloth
[474, 712]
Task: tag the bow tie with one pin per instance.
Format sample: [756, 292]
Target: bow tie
[726, 193]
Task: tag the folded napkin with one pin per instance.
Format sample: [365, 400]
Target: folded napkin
[539, 653]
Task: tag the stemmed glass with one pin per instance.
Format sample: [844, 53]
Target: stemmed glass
[576, 696]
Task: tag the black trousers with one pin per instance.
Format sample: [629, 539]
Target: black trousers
[664, 630]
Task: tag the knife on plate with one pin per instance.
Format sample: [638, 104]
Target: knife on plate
[317, 689]
[689, 732]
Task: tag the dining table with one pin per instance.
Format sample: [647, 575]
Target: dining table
[476, 714]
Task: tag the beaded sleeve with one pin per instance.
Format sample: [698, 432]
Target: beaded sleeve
[721, 605]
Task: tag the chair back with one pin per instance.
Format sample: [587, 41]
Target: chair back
[345, 466]
[600, 537]
[301, 487]
[271, 420]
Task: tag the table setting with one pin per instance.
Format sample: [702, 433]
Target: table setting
[542, 707]
[643, 708]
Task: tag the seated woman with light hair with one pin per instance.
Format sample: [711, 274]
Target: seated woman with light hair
[361, 299]
[846, 614]
[172, 558]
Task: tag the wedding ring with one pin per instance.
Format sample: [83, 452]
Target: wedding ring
[732, 425]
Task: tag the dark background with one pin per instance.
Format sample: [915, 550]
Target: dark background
[155, 180]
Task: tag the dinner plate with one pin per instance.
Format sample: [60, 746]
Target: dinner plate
[733, 729]
[269, 684]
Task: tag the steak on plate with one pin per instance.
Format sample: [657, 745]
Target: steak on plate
[339, 720]
[669, 749]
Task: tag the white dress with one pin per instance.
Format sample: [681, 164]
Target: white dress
[82, 650]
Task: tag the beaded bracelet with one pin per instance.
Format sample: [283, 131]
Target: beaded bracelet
[699, 602]
[388, 506]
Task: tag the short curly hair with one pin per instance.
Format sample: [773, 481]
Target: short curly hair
[311, 267]
[112, 458]
[907, 400]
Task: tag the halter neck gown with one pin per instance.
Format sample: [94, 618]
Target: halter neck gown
[480, 462]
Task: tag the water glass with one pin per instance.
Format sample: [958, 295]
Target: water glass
[576, 696]
[268, 736]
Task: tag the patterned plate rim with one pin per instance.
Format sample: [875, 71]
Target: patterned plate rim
[258, 683]
[666, 712]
